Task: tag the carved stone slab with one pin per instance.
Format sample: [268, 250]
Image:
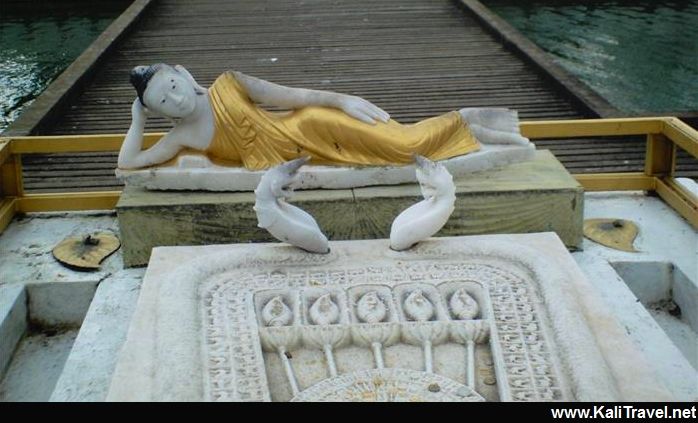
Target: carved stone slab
[496, 318]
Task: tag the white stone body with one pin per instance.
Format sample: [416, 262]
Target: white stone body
[172, 92]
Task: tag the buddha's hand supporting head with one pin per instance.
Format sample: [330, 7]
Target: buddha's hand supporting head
[165, 90]
[138, 111]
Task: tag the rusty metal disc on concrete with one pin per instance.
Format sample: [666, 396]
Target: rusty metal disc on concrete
[86, 252]
[618, 234]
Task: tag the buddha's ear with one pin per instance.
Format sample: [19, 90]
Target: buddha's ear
[197, 88]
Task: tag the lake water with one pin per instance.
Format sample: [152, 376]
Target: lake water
[38, 40]
[642, 56]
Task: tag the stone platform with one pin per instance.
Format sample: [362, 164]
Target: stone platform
[534, 196]
[193, 172]
[498, 318]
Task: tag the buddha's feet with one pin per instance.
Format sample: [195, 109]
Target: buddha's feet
[494, 125]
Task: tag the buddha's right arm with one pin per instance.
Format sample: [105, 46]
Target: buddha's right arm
[131, 156]
[269, 93]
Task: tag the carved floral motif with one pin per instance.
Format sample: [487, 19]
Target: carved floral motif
[276, 313]
[371, 309]
[529, 366]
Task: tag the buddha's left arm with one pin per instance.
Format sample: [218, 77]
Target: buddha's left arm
[131, 155]
[269, 93]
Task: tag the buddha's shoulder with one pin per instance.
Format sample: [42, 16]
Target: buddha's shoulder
[229, 80]
[228, 75]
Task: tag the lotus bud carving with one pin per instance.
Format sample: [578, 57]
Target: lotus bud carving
[324, 311]
[370, 308]
[463, 306]
[276, 313]
[418, 307]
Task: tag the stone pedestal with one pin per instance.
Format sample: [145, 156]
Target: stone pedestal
[533, 196]
[492, 317]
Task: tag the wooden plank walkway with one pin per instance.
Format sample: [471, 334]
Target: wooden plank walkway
[414, 58]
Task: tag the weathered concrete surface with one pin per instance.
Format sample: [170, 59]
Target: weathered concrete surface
[36, 365]
[670, 365]
[26, 245]
[663, 237]
[685, 293]
[13, 321]
[33, 285]
[535, 196]
[87, 372]
[663, 234]
[60, 304]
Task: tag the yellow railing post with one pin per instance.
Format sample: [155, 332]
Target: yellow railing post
[11, 185]
[5, 149]
[8, 208]
[678, 198]
[678, 134]
[660, 156]
[681, 134]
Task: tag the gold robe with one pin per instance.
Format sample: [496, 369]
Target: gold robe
[249, 135]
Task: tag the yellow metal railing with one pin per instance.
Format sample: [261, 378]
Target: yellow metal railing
[664, 136]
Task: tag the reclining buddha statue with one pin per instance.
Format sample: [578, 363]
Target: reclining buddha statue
[225, 123]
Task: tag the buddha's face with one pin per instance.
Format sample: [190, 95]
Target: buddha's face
[170, 93]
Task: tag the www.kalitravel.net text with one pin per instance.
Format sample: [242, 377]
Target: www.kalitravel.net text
[624, 412]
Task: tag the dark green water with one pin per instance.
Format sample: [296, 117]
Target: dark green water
[38, 40]
[642, 56]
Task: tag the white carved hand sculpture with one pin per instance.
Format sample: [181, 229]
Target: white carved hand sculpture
[424, 219]
[286, 222]
[361, 109]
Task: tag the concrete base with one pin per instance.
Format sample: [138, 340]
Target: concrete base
[13, 322]
[533, 196]
[60, 304]
[664, 237]
[38, 325]
[36, 366]
[88, 369]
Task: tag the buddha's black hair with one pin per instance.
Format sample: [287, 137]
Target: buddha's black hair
[141, 75]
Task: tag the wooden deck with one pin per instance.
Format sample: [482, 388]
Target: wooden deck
[414, 58]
